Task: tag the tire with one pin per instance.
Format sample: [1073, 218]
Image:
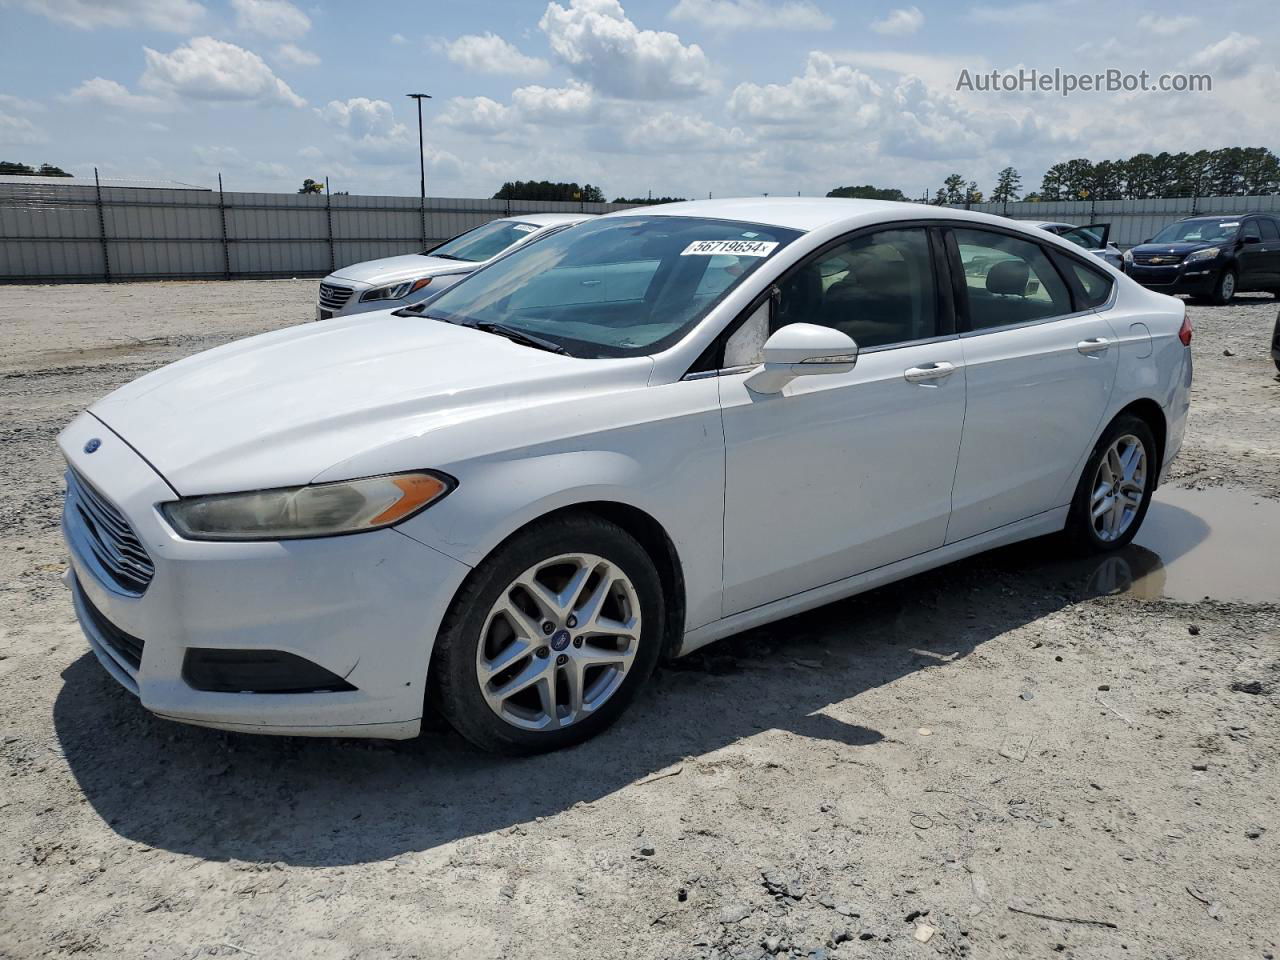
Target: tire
[1117, 527]
[496, 628]
[1224, 291]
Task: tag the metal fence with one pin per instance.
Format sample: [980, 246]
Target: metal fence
[1132, 221]
[57, 232]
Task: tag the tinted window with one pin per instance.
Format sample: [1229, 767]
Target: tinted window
[1251, 229]
[1008, 280]
[1096, 284]
[616, 286]
[1269, 229]
[1211, 230]
[878, 288]
[1089, 239]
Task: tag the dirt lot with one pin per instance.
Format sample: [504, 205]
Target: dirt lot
[1015, 752]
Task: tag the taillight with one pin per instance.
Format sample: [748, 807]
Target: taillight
[1184, 332]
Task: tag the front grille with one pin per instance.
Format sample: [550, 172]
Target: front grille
[128, 648]
[333, 297]
[1157, 259]
[116, 548]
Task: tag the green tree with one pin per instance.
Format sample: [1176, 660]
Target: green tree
[1008, 183]
[49, 170]
[649, 200]
[868, 192]
[14, 168]
[547, 190]
[954, 188]
[310, 186]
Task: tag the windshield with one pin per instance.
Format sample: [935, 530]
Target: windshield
[617, 286]
[485, 242]
[1198, 231]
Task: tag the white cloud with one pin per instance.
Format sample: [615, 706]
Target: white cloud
[752, 15]
[209, 69]
[489, 53]
[108, 93]
[827, 94]
[1231, 56]
[19, 131]
[899, 23]
[291, 54]
[1017, 14]
[478, 115]
[398, 38]
[175, 16]
[599, 44]
[218, 156]
[1165, 25]
[687, 133]
[271, 18]
[539, 104]
[21, 104]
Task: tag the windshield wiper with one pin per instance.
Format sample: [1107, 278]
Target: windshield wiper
[448, 256]
[516, 335]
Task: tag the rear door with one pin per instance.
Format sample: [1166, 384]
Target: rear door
[1039, 369]
[1270, 231]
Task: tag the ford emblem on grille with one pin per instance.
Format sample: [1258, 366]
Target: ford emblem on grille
[92, 445]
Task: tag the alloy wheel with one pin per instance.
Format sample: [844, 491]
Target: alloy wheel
[558, 642]
[1118, 488]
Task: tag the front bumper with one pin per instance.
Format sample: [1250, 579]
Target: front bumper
[1191, 278]
[364, 607]
[339, 297]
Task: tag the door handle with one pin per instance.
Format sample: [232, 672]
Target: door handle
[1093, 345]
[930, 371]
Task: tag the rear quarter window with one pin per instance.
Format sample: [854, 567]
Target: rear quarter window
[1094, 284]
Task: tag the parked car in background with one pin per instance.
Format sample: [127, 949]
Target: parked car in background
[399, 281]
[630, 439]
[1210, 258]
[1094, 237]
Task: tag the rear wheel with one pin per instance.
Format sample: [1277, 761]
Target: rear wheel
[1115, 488]
[550, 638]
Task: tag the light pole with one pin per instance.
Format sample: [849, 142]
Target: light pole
[422, 167]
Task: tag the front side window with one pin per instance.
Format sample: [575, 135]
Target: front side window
[616, 286]
[879, 288]
[1008, 280]
[484, 242]
[1269, 231]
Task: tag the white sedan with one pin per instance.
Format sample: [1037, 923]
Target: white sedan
[619, 444]
[400, 281]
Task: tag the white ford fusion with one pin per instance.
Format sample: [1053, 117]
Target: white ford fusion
[394, 282]
[643, 434]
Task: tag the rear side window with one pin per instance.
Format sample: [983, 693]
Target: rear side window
[1095, 285]
[1269, 230]
[1008, 280]
[1250, 229]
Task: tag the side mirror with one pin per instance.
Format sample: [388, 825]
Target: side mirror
[1148, 240]
[802, 350]
[1249, 238]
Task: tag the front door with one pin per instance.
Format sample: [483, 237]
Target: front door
[843, 473]
[1039, 376]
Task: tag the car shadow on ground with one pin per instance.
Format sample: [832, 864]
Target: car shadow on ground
[330, 802]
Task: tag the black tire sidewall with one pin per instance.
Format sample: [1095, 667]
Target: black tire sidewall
[453, 681]
[1079, 525]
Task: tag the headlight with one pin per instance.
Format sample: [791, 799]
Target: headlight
[397, 291]
[1206, 254]
[1128, 256]
[318, 510]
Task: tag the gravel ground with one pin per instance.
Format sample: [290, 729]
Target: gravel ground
[1003, 758]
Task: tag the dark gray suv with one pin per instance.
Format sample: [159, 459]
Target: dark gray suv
[1211, 258]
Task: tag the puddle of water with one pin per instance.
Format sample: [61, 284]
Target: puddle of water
[1220, 543]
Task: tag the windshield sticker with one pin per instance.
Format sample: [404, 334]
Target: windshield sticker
[524, 227]
[741, 248]
[1234, 223]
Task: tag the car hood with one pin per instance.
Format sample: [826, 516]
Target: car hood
[281, 408]
[407, 267]
[1182, 248]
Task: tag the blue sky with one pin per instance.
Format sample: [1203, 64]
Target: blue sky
[679, 97]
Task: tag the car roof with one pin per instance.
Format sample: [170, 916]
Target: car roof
[809, 213]
[1047, 223]
[549, 219]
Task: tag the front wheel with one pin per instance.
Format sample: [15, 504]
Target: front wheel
[1115, 489]
[550, 637]
[1225, 290]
